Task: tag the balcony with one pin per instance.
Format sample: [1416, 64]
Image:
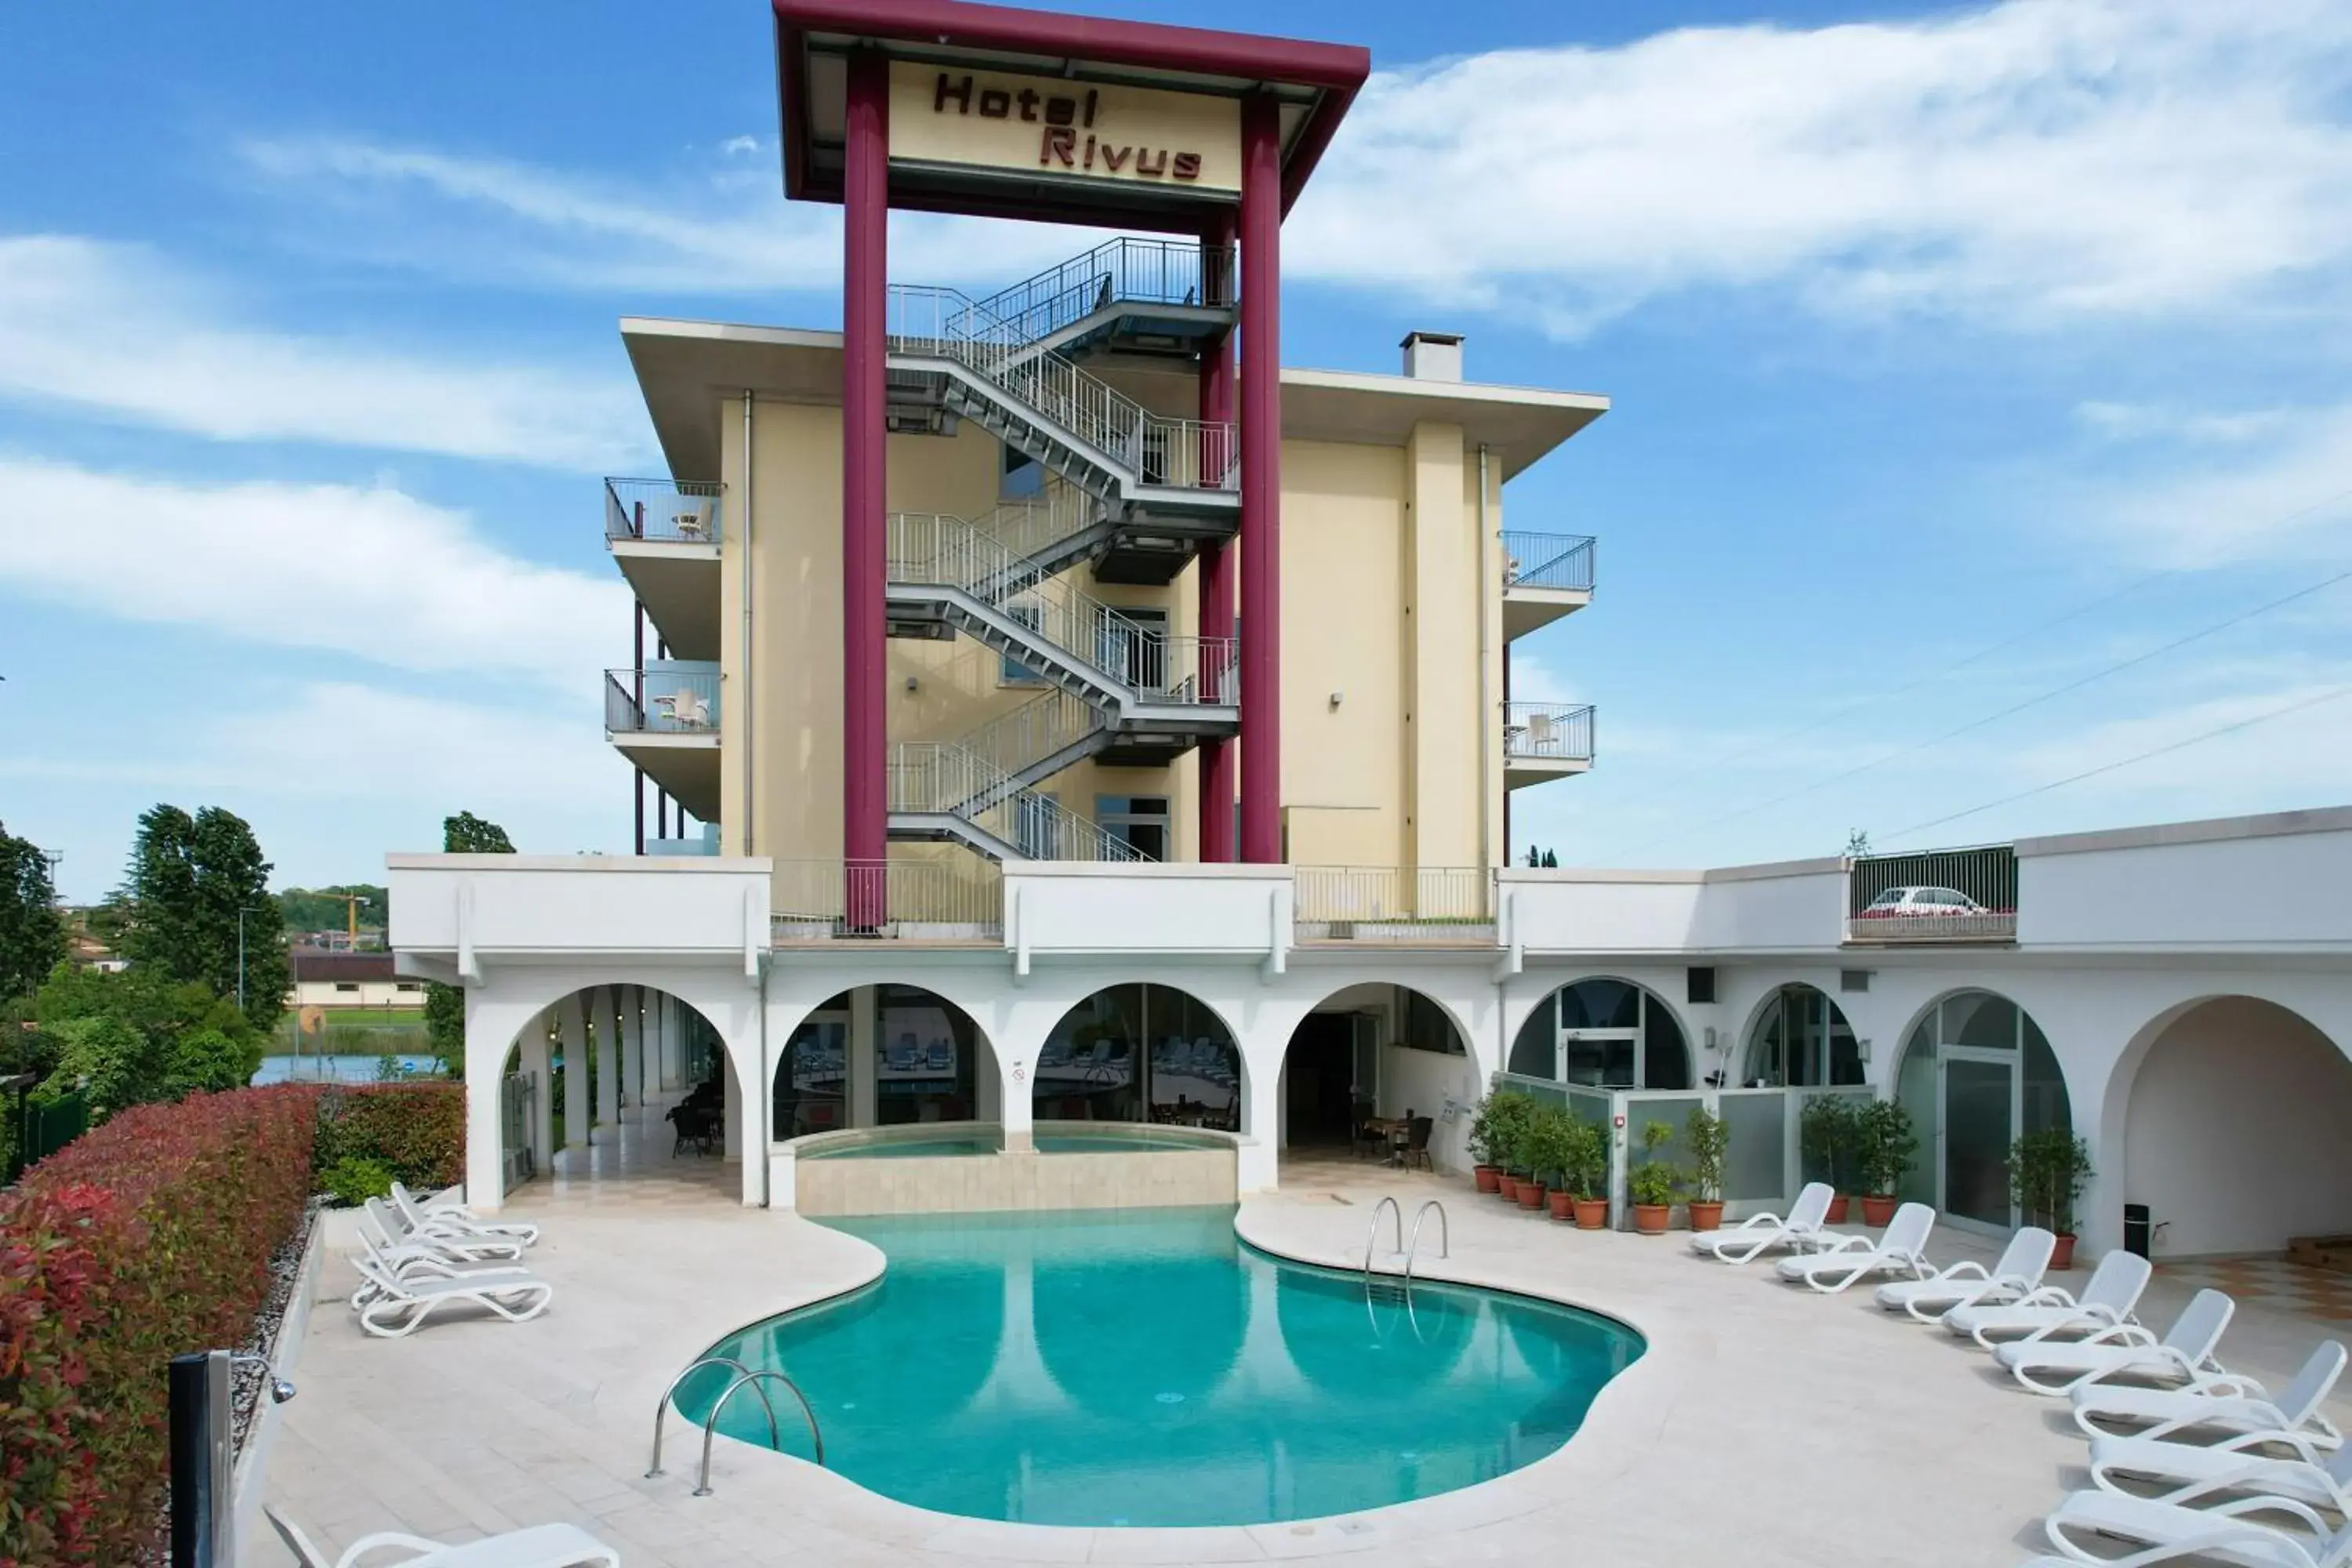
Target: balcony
[1545, 576]
[956, 900]
[1938, 898]
[664, 537]
[1416, 904]
[665, 720]
[1545, 740]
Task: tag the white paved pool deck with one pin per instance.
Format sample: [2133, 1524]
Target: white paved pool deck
[1766, 1424]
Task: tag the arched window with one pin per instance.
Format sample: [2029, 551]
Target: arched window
[1977, 1070]
[1802, 1038]
[1608, 1034]
[924, 1064]
[1139, 1053]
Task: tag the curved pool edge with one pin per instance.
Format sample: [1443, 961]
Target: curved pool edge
[1502, 1498]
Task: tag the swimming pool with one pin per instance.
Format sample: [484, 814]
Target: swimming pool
[1119, 1368]
[952, 1145]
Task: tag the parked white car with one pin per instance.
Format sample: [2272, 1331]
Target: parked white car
[1905, 902]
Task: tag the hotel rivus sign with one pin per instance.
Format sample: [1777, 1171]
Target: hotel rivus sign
[1053, 128]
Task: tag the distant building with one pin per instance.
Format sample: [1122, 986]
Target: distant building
[332, 978]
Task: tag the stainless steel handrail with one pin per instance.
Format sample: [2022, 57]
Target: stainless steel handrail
[711, 1425]
[1373, 1240]
[1444, 1236]
[775, 1432]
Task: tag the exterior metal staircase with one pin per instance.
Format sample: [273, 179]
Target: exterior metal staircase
[943, 792]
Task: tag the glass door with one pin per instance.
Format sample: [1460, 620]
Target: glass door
[1980, 1122]
[1604, 1059]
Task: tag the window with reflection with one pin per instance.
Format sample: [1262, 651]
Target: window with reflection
[926, 1058]
[1802, 1038]
[812, 1079]
[1605, 1034]
[1136, 1053]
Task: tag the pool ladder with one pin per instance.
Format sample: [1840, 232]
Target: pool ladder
[1371, 1242]
[745, 1378]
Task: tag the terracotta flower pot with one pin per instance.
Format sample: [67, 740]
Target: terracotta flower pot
[1488, 1178]
[2062, 1255]
[1877, 1211]
[1531, 1194]
[1563, 1204]
[1837, 1210]
[1591, 1214]
[1508, 1186]
[1705, 1216]
[1650, 1219]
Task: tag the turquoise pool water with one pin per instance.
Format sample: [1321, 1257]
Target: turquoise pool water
[953, 1144]
[1144, 1368]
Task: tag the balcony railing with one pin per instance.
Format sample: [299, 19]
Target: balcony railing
[1548, 732]
[1943, 896]
[1355, 902]
[684, 513]
[1125, 270]
[947, 900]
[1561, 561]
[672, 696]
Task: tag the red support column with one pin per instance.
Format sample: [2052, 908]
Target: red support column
[865, 828]
[1216, 606]
[1261, 542]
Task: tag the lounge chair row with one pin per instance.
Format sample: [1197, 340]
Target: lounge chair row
[422, 1255]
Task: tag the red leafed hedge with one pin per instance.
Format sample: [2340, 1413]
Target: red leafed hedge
[145, 1238]
[417, 1129]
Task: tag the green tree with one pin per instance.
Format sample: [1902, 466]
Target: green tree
[208, 1059]
[445, 1005]
[32, 932]
[193, 880]
[322, 908]
[115, 1065]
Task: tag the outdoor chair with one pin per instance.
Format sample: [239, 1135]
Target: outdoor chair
[2229, 1404]
[400, 1306]
[456, 1218]
[2191, 1472]
[2017, 1274]
[1760, 1233]
[1416, 1142]
[539, 1546]
[695, 1125]
[381, 1223]
[1856, 1257]
[2185, 1354]
[2174, 1531]
[418, 1261]
[2049, 1312]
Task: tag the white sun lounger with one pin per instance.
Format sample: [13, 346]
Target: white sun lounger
[2016, 1273]
[540, 1546]
[419, 1260]
[1759, 1233]
[2195, 1473]
[448, 1214]
[2113, 1291]
[1856, 1257]
[2184, 1354]
[2172, 1533]
[2229, 1403]
[392, 1230]
[402, 1305]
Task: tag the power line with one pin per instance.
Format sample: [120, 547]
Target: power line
[2329, 696]
[2040, 697]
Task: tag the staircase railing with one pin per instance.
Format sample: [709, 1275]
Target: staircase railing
[937, 777]
[947, 323]
[1128, 268]
[1031, 528]
[1048, 723]
[933, 548]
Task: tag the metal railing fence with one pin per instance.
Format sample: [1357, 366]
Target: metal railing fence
[1944, 895]
[945, 323]
[662, 699]
[1125, 270]
[1389, 895]
[686, 512]
[957, 897]
[1560, 731]
[935, 776]
[1546, 560]
[1045, 724]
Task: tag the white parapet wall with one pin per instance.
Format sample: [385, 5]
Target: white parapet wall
[2271, 883]
[1152, 907]
[1792, 906]
[462, 908]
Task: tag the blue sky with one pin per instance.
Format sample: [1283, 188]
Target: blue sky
[1960, 355]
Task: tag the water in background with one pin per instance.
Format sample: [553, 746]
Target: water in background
[338, 1069]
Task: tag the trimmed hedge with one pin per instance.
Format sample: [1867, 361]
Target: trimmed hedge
[417, 1129]
[146, 1239]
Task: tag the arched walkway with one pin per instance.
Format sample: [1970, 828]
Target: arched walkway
[1140, 1052]
[1799, 1037]
[1605, 1033]
[2234, 1129]
[882, 1056]
[1976, 1073]
[1369, 1068]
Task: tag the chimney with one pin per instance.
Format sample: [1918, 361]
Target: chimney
[1433, 356]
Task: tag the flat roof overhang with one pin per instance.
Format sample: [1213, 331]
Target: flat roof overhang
[1313, 83]
[688, 370]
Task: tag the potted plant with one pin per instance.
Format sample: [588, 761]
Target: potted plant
[1652, 1185]
[2047, 1172]
[1887, 1150]
[1552, 1151]
[1590, 1172]
[1486, 1172]
[1825, 1133]
[1511, 1112]
[1709, 1139]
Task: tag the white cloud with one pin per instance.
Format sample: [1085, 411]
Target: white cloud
[2203, 427]
[2277, 486]
[2034, 160]
[372, 573]
[109, 328]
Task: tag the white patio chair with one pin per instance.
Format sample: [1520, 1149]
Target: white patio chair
[2016, 1273]
[2194, 1473]
[2113, 1290]
[448, 1214]
[2230, 1403]
[420, 1260]
[1760, 1233]
[2185, 1353]
[401, 1306]
[2173, 1533]
[539, 1546]
[1857, 1258]
[392, 1229]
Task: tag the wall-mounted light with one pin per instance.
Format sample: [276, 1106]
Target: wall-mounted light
[1337, 697]
[910, 683]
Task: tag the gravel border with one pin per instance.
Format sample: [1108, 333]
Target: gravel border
[248, 1382]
